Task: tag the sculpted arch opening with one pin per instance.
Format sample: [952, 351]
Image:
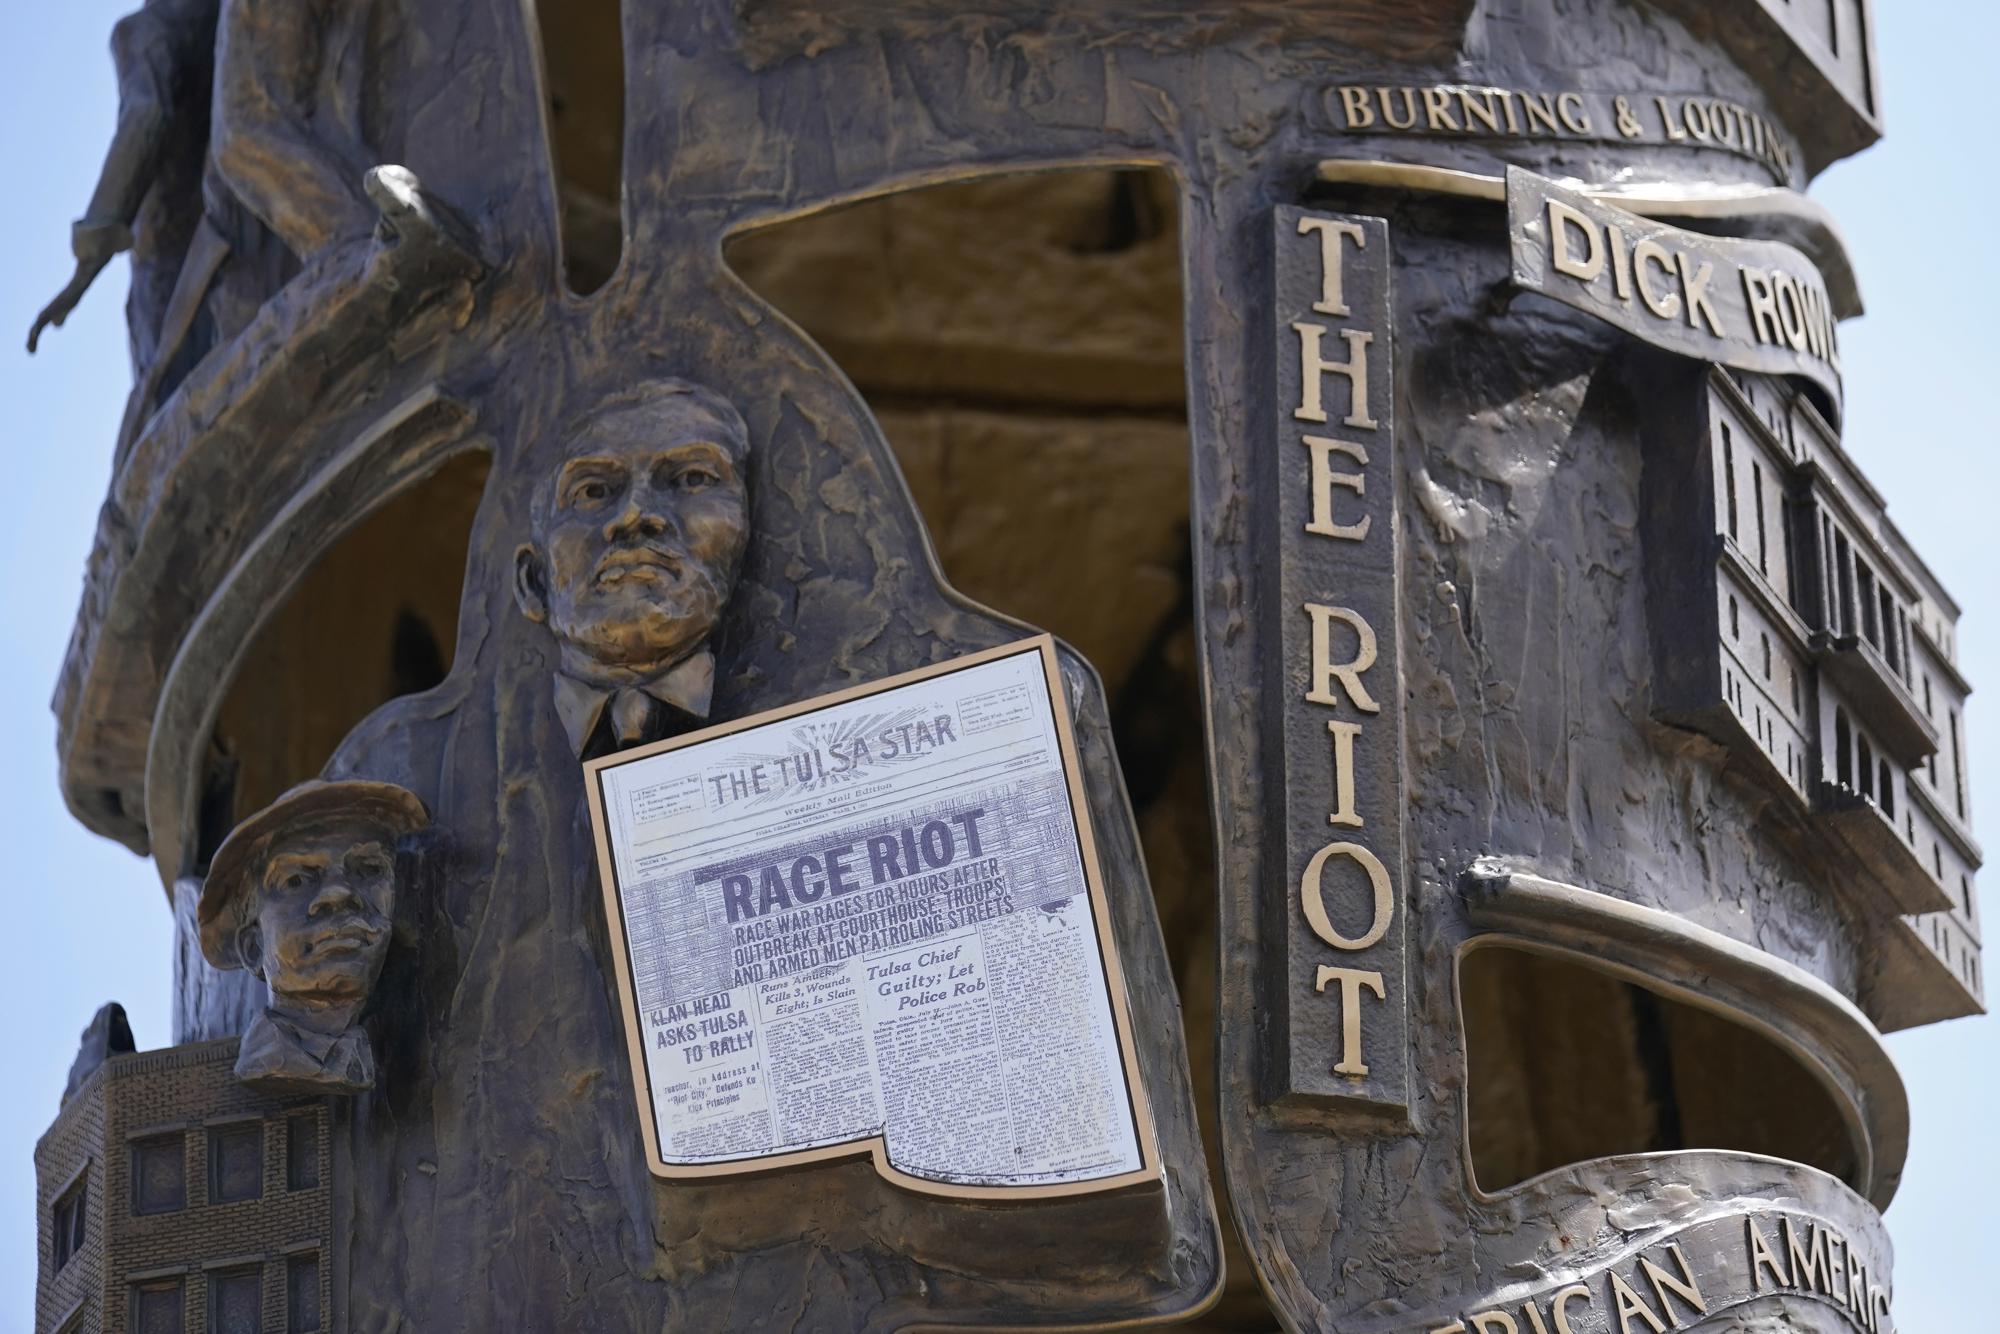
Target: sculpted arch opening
[374, 618]
[1020, 342]
[1567, 1063]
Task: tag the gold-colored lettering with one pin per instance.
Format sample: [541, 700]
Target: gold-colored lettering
[1699, 128]
[1818, 326]
[1763, 306]
[1722, 123]
[1494, 1322]
[1351, 981]
[1455, 1327]
[1312, 366]
[1668, 306]
[1324, 479]
[1762, 1257]
[1836, 1265]
[1806, 1261]
[1325, 671]
[1627, 123]
[1343, 772]
[1574, 1292]
[1695, 285]
[1535, 1325]
[1354, 102]
[1629, 1303]
[1621, 265]
[1570, 107]
[1668, 125]
[1331, 233]
[1312, 897]
[1791, 318]
[1437, 109]
[1541, 108]
[1683, 1287]
[1507, 106]
[1481, 111]
[1562, 217]
[1409, 120]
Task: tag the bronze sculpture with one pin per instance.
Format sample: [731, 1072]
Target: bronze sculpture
[638, 536]
[240, 151]
[1539, 655]
[303, 895]
[148, 188]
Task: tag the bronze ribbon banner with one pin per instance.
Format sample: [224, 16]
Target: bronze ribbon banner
[1755, 305]
[1477, 111]
[1685, 1276]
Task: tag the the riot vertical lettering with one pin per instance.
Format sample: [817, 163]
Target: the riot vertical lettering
[1346, 1038]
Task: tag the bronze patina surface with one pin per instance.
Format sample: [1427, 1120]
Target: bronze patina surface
[1540, 741]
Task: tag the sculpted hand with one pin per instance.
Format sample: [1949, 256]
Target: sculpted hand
[65, 301]
[94, 242]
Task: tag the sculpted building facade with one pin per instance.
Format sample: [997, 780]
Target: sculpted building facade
[176, 1197]
[1518, 763]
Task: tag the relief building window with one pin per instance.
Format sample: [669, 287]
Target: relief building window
[158, 1308]
[302, 1293]
[68, 1222]
[159, 1174]
[236, 1301]
[236, 1162]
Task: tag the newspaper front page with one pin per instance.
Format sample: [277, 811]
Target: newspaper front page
[874, 924]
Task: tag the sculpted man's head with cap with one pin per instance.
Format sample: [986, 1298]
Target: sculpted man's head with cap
[302, 894]
[637, 536]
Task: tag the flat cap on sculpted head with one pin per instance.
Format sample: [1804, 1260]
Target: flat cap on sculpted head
[302, 894]
[638, 535]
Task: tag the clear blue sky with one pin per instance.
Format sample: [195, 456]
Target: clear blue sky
[93, 924]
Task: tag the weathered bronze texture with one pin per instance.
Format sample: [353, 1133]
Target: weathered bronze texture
[1573, 752]
[1335, 682]
[1758, 305]
[638, 536]
[303, 895]
[164, 54]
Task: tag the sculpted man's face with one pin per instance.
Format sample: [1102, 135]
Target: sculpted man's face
[640, 540]
[323, 916]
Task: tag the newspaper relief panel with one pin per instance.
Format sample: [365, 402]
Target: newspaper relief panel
[874, 923]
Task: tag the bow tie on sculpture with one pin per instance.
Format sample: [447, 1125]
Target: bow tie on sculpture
[637, 537]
